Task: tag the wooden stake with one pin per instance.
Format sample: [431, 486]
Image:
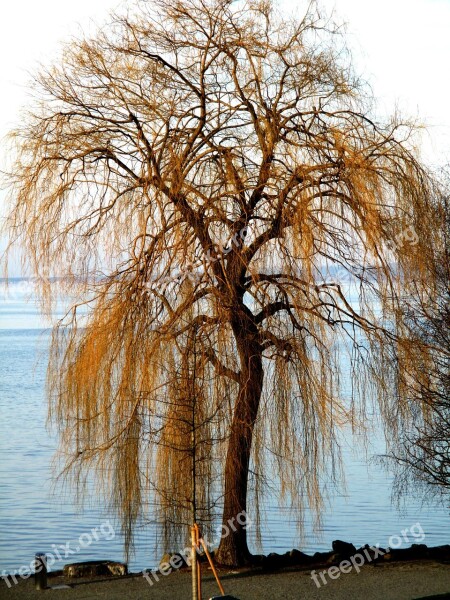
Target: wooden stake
[194, 564]
[208, 556]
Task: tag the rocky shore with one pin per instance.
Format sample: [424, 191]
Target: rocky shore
[343, 573]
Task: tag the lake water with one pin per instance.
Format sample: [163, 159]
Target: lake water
[35, 518]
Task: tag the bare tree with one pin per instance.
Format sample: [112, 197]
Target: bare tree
[208, 166]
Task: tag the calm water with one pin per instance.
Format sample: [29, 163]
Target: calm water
[33, 518]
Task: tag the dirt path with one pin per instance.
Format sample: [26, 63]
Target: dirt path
[399, 581]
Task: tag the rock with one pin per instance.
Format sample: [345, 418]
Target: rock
[416, 552]
[95, 568]
[344, 549]
[272, 561]
[296, 557]
[375, 555]
[440, 553]
[175, 561]
[257, 560]
[322, 557]
[117, 569]
[292, 558]
[420, 550]
[334, 558]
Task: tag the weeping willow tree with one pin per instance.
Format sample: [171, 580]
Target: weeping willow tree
[421, 454]
[205, 177]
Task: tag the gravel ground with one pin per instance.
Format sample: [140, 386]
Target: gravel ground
[394, 581]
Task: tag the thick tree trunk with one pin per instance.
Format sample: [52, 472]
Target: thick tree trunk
[233, 549]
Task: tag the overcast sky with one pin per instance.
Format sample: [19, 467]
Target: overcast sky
[402, 47]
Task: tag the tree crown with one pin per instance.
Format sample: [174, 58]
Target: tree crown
[200, 170]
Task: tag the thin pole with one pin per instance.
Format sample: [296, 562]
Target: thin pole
[199, 574]
[194, 564]
[194, 467]
[205, 548]
[40, 571]
[194, 536]
[194, 528]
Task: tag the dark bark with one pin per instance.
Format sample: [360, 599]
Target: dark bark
[233, 549]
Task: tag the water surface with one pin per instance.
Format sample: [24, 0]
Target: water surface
[35, 518]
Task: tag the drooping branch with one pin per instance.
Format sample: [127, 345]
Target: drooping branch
[203, 174]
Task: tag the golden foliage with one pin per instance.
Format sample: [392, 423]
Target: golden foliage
[152, 148]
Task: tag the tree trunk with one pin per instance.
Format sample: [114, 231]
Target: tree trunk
[233, 549]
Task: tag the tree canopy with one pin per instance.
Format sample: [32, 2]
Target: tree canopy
[207, 177]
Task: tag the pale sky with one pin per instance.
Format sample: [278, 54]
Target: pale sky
[402, 47]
